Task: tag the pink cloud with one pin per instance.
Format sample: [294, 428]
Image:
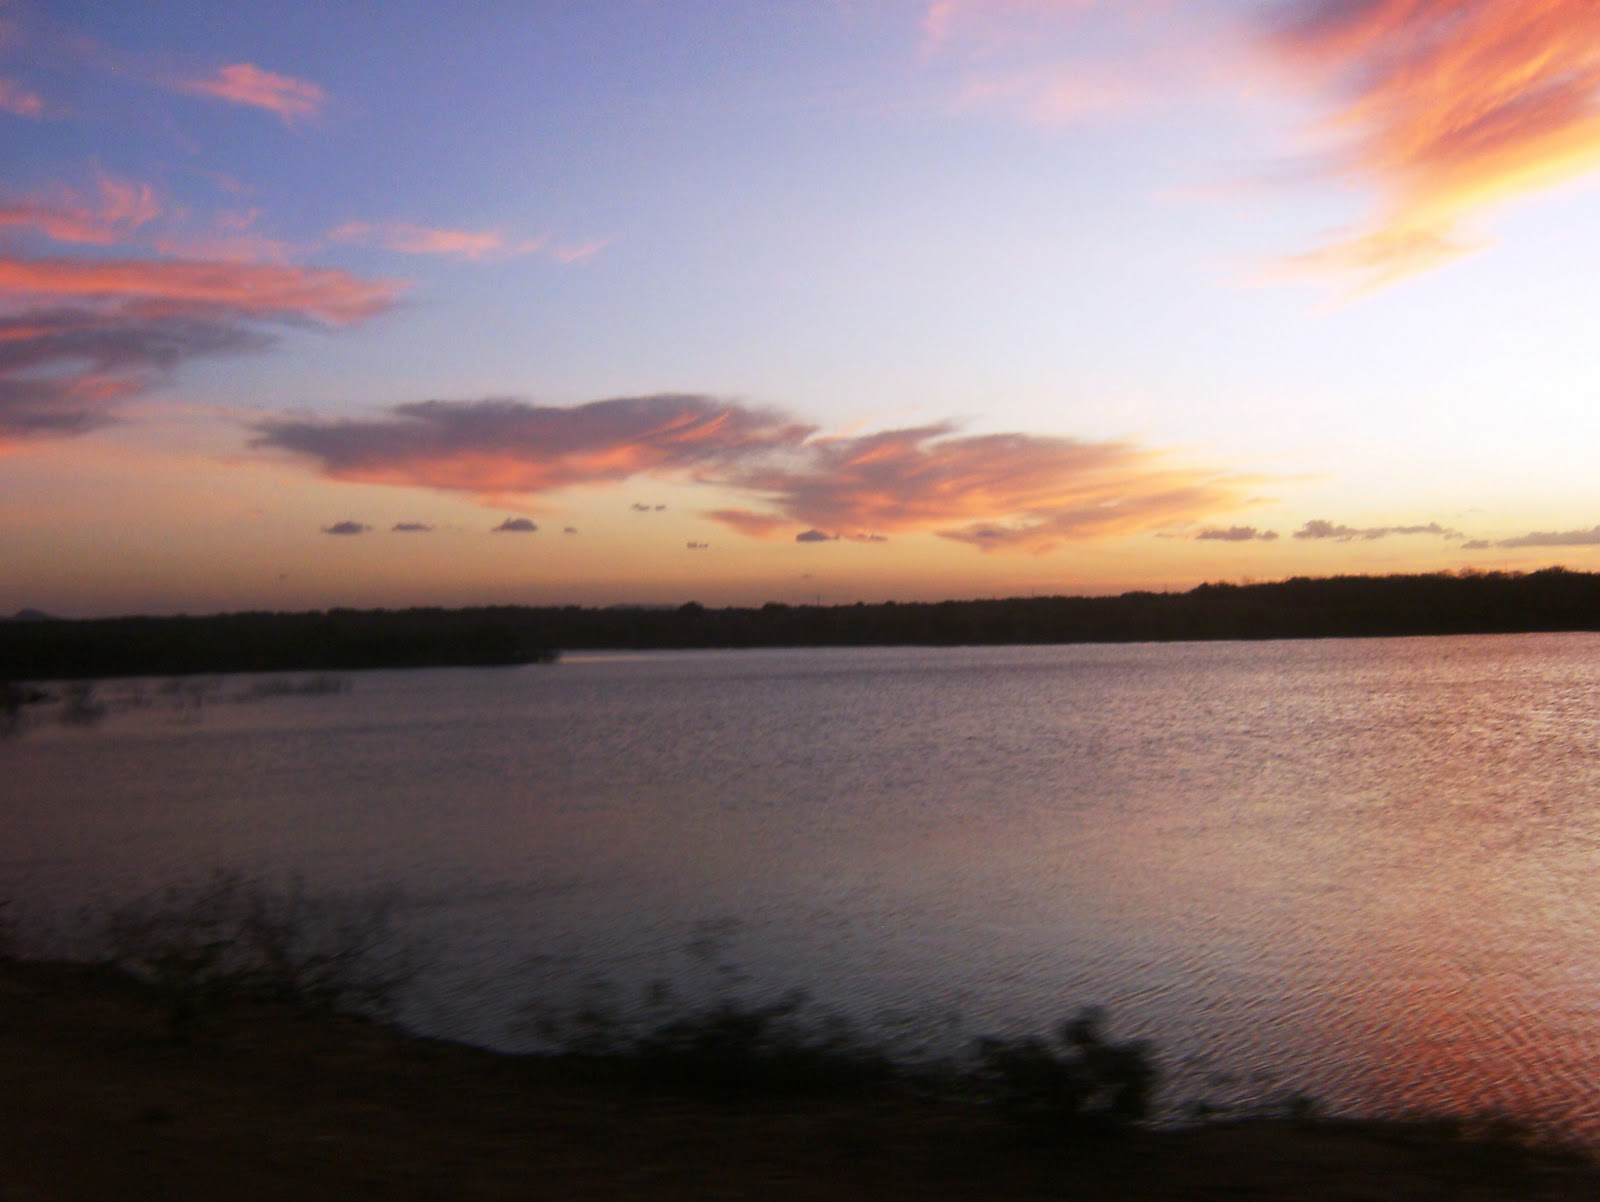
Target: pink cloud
[427, 240]
[116, 209]
[995, 491]
[998, 491]
[499, 448]
[1448, 107]
[20, 101]
[175, 286]
[476, 245]
[79, 337]
[251, 86]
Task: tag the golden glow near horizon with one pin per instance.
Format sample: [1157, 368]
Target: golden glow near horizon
[911, 300]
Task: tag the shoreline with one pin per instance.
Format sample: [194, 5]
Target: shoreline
[271, 1101]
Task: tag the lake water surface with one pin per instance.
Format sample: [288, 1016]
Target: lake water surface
[1361, 869]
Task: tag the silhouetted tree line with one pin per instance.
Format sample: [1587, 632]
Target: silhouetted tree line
[341, 639]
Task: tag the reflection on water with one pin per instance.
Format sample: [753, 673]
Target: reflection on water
[1364, 870]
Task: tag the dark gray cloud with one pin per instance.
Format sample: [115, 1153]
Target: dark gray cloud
[815, 536]
[1322, 529]
[1236, 534]
[347, 527]
[570, 530]
[515, 526]
[693, 546]
[412, 528]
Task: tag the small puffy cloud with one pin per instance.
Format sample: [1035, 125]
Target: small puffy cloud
[1449, 107]
[693, 546]
[251, 86]
[1236, 534]
[815, 536]
[569, 530]
[20, 101]
[1319, 528]
[515, 526]
[347, 527]
[411, 528]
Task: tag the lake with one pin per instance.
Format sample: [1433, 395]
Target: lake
[1365, 870]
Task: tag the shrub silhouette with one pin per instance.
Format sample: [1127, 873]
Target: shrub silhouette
[1081, 1083]
[233, 940]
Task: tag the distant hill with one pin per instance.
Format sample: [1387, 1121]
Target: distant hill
[31, 615]
[1334, 607]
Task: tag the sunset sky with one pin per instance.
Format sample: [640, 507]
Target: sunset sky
[308, 305]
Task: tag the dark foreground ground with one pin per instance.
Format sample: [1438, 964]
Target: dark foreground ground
[98, 1102]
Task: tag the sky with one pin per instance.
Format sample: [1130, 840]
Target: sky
[734, 301]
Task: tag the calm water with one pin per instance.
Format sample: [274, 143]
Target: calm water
[1362, 869]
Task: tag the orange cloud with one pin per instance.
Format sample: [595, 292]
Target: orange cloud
[1000, 491]
[249, 85]
[1451, 106]
[117, 208]
[19, 101]
[178, 286]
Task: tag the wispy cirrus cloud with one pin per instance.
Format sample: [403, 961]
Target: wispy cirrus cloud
[1057, 63]
[178, 285]
[428, 240]
[1001, 491]
[1320, 528]
[246, 84]
[476, 245]
[105, 214]
[20, 101]
[1448, 107]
